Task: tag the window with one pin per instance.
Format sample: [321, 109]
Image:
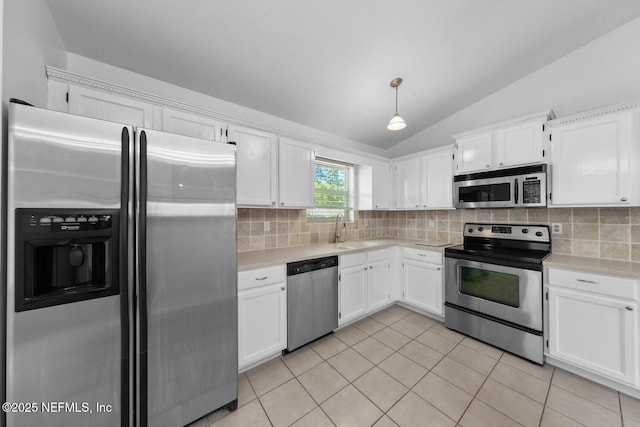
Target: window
[334, 190]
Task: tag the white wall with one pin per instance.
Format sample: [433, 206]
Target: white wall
[603, 72]
[31, 41]
[232, 112]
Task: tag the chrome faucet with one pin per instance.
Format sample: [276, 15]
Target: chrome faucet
[343, 226]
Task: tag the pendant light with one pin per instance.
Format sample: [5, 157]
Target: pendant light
[396, 122]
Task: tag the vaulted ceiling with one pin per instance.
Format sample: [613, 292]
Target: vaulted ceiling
[328, 63]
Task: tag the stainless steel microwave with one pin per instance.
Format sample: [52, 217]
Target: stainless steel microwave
[524, 186]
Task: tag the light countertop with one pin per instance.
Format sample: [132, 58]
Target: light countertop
[268, 257]
[594, 265]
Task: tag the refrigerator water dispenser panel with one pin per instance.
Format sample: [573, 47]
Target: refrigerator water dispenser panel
[65, 255]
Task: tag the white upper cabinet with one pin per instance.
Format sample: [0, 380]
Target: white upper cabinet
[107, 106]
[595, 158]
[257, 162]
[381, 186]
[437, 180]
[193, 125]
[514, 142]
[296, 174]
[407, 184]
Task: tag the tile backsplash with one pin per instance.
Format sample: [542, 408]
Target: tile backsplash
[612, 233]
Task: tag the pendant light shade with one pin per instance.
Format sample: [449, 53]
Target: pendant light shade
[396, 122]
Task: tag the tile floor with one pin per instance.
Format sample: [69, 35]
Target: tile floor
[398, 367]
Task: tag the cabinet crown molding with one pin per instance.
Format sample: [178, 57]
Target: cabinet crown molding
[534, 117]
[616, 108]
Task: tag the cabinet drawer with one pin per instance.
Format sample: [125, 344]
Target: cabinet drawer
[261, 276]
[352, 259]
[614, 286]
[422, 255]
[379, 255]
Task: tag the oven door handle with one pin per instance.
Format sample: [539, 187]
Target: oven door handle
[516, 189]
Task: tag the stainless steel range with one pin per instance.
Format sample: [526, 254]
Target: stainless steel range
[493, 286]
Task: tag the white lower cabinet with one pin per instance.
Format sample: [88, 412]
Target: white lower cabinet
[593, 323]
[364, 283]
[262, 314]
[422, 279]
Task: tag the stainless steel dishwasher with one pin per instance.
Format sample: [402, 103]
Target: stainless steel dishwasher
[312, 300]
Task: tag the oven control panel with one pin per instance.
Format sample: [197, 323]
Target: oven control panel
[534, 233]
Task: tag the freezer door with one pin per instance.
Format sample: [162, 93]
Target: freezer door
[68, 360]
[186, 278]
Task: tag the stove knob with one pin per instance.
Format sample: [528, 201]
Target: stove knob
[480, 228]
[525, 230]
[470, 230]
[539, 233]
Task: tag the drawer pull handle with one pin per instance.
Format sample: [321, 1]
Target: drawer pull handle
[422, 255]
[588, 281]
[262, 278]
[629, 308]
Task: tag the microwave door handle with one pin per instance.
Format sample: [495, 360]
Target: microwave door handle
[516, 190]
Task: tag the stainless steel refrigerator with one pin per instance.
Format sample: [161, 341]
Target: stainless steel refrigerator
[121, 274]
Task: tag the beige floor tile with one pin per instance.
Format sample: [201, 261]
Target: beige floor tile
[544, 372]
[245, 391]
[202, 422]
[551, 418]
[369, 326]
[268, 376]
[350, 364]
[250, 414]
[482, 415]
[373, 350]
[349, 408]
[580, 409]
[407, 328]
[350, 335]
[301, 360]
[481, 347]
[449, 334]
[521, 382]
[473, 359]
[630, 406]
[420, 320]
[459, 375]
[594, 392]
[398, 311]
[380, 388]
[421, 354]
[328, 346]
[315, 418]
[516, 406]
[446, 397]
[630, 422]
[412, 411]
[403, 369]
[385, 422]
[391, 338]
[322, 382]
[287, 403]
[386, 317]
[436, 342]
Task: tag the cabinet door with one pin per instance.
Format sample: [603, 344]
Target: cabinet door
[256, 153]
[262, 322]
[194, 125]
[519, 145]
[107, 106]
[437, 181]
[353, 293]
[594, 332]
[407, 184]
[473, 153]
[590, 162]
[423, 285]
[381, 186]
[296, 174]
[378, 284]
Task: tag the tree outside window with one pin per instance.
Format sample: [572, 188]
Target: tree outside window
[334, 190]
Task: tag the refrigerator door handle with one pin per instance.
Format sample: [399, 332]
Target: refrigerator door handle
[142, 277]
[124, 275]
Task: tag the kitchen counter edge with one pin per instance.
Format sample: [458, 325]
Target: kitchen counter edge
[594, 265]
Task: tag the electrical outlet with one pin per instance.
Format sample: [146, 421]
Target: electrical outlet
[366, 222]
[556, 228]
[267, 226]
[432, 223]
